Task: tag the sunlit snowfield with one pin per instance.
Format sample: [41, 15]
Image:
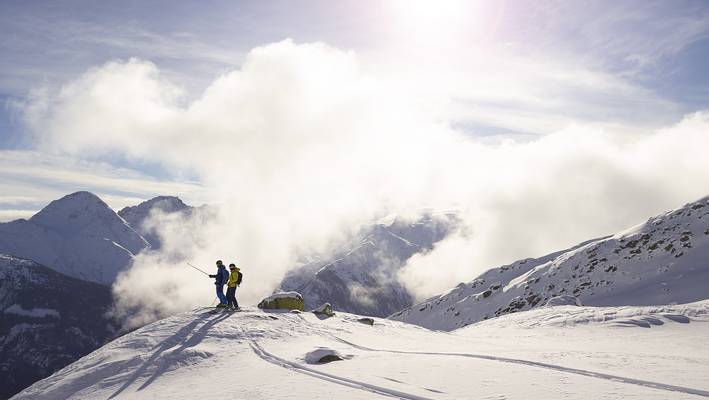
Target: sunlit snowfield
[561, 352]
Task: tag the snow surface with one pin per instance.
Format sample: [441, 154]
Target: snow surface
[562, 352]
[283, 295]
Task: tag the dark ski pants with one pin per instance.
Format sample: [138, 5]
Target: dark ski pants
[231, 297]
[220, 294]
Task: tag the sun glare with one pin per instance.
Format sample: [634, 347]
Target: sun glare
[433, 20]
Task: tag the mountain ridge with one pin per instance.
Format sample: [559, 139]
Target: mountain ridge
[81, 236]
[362, 276]
[660, 261]
[47, 320]
[138, 215]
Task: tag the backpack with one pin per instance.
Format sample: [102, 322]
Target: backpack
[238, 278]
[225, 276]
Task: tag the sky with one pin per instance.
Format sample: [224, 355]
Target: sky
[544, 122]
[520, 69]
[633, 64]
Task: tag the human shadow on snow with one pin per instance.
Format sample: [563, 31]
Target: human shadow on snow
[183, 338]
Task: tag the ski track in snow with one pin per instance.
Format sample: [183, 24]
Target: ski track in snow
[147, 368]
[387, 392]
[297, 367]
[599, 375]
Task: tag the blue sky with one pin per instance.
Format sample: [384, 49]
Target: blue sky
[504, 68]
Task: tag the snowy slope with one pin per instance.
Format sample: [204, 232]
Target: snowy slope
[77, 235]
[362, 277]
[270, 355]
[662, 261]
[47, 320]
[137, 215]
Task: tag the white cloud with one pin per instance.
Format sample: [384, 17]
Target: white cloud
[11, 215]
[551, 193]
[298, 145]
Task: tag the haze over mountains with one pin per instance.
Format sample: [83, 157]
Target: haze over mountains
[362, 277]
[77, 235]
[662, 261]
[82, 245]
[53, 314]
[137, 216]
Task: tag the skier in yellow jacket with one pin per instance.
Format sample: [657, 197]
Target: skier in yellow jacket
[232, 283]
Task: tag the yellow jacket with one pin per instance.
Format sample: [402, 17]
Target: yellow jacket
[233, 276]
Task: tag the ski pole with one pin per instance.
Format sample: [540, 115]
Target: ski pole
[197, 269]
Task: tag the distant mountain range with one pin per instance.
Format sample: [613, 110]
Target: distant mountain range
[55, 281]
[662, 261]
[137, 216]
[77, 235]
[53, 307]
[362, 277]
[80, 236]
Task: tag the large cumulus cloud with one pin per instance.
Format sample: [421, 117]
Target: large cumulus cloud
[298, 145]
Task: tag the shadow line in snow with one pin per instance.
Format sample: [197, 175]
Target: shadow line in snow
[600, 375]
[181, 337]
[193, 341]
[294, 366]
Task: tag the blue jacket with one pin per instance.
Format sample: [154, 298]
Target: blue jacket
[221, 276]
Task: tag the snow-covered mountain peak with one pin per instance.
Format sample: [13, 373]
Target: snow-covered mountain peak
[683, 215]
[74, 212]
[78, 235]
[137, 215]
[168, 204]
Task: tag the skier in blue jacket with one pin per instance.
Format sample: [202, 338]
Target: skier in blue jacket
[220, 279]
